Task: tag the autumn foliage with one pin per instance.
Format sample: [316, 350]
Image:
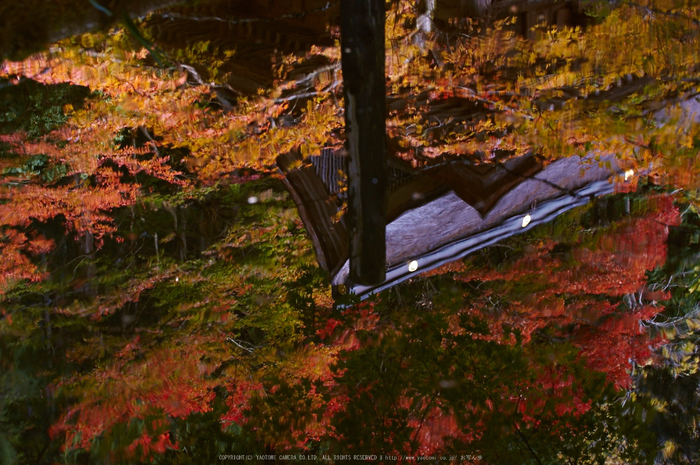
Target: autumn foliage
[161, 299]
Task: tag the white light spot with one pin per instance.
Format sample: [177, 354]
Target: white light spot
[252, 199]
[177, 278]
[526, 220]
[629, 174]
[348, 50]
[413, 266]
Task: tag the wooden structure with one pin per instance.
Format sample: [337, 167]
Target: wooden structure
[456, 209]
[318, 208]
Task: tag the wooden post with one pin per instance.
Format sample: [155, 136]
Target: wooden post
[364, 84]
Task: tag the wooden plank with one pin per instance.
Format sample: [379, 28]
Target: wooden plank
[317, 209]
[481, 186]
[362, 45]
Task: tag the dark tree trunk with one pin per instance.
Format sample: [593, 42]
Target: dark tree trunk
[362, 43]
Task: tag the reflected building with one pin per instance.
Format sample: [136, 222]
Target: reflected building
[526, 13]
[443, 212]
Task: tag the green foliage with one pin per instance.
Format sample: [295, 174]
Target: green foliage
[204, 56]
[670, 386]
[37, 108]
[7, 452]
[38, 165]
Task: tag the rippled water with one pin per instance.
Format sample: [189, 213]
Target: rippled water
[174, 238]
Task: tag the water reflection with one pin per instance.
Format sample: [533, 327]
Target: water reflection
[518, 347]
[517, 352]
[462, 207]
[536, 310]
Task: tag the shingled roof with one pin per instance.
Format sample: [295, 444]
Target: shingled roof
[444, 212]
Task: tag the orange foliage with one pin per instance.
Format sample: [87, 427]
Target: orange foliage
[172, 383]
[559, 295]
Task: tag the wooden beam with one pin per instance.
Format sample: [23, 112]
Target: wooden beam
[364, 84]
[317, 209]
